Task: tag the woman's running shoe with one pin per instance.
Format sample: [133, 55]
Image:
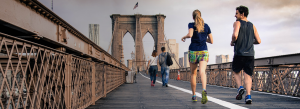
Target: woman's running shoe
[204, 97]
[194, 98]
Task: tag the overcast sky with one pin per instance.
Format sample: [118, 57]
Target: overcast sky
[277, 22]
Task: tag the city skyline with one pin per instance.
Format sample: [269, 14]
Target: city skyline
[270, 18]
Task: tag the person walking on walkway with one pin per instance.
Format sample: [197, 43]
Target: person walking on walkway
[153, 67]
[243, 37]
[164, 67]
[200, 33]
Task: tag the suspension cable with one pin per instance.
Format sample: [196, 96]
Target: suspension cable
[168, 44]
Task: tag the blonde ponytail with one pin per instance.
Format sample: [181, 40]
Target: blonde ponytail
[199, 22]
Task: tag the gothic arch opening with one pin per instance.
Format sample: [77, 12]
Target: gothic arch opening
[148, 43]
[128, 46]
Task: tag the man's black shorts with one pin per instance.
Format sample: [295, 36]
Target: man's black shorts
[245, 63]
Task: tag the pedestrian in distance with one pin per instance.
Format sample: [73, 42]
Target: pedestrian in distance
[243, 37]
[153, 67]
[164, 67]
[200, 33]
[134, 77]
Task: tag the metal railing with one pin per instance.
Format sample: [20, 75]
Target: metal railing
[38, 77]
[281, 80]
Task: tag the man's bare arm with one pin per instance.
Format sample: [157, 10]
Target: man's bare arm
[236, 29]
[256, 36]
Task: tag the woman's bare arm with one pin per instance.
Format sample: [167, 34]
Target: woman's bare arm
[189, 35]
[210, 38]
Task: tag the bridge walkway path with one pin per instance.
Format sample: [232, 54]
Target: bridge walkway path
[178, 95]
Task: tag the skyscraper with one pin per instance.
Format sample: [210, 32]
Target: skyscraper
[181, 62]
[129, 63]
[222, 59]
[94, 33]
[186, 59]
[174, 47]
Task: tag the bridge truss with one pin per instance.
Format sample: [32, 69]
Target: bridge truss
[45, 63]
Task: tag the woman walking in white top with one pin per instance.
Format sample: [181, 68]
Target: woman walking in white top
[153, 67]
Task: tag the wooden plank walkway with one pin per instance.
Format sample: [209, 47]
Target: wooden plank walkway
[141, 95]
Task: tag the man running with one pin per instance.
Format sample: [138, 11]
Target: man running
[243, 37]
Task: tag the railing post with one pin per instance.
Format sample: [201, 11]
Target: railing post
[124, 76]
[93, 83]
[271, 82]
[120, 77]
[104, 80]
[68, 79]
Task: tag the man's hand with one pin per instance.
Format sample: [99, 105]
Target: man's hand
[232, 43]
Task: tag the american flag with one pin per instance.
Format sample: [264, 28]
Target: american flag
[136, 5]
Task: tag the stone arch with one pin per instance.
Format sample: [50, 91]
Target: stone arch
[152, 35]
[137, 25]
[151, 32]
[127, 31]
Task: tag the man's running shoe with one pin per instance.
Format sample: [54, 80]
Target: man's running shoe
[166, 85]
[240, 93]
[194, 98]
[204, 97]
[248, 99]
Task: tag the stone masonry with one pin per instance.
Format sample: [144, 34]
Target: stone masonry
[137, 25]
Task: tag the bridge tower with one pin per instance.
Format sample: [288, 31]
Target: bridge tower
[137, 25]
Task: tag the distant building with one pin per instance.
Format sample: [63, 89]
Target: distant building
[186, 59]
[129, 63]
[174, 47]
[181, 62]
[222, 59]
[94, 33]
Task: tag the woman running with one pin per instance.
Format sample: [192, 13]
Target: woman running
[200, 34]
[153, 67]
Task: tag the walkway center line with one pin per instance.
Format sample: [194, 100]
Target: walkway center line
[215, 100]
[274, 94]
